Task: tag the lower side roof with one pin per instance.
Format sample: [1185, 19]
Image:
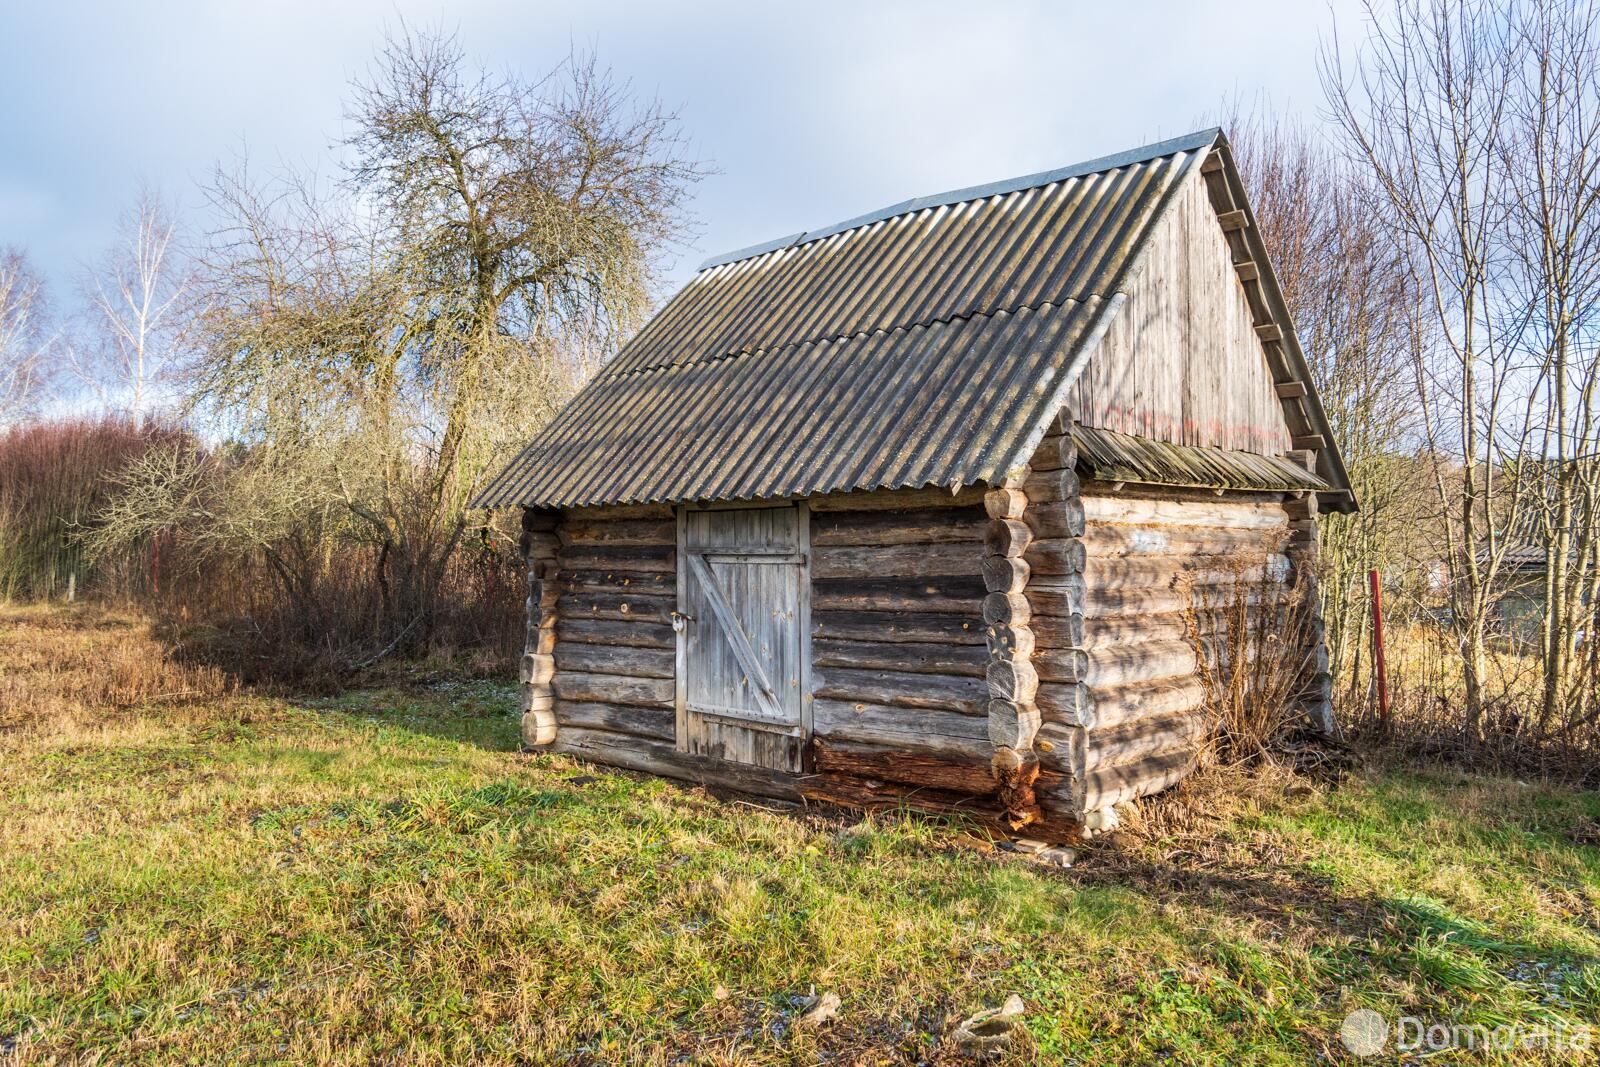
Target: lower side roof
[1109, 456]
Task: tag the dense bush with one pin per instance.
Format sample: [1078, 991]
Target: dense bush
[305, 604]
[331, 625]
[55, 478]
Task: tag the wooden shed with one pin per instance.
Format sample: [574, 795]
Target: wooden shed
[904, 509]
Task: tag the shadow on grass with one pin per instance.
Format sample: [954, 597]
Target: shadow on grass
[1412, 938]
[478, 713]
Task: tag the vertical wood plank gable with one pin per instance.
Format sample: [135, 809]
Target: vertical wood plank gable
[1182, 361]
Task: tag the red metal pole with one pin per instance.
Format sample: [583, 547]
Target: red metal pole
[1377, 649]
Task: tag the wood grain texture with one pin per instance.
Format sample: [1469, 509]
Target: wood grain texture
[923, 526]
[1144, 737]
[923, 769]
[1057, 518]
[622, 607]
[953, 628]
[613, 689]
[619, 532]
[903, 561]
[925, 730]
[917, 657]
[947, 593]
[617, 581]
[657, 757]
[612, 557]
[637, 632]
[1182, 362]
[743, 647]
[631, 719]
[631, 660]
[904, 689]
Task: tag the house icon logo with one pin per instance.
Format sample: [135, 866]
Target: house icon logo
[1364, 1032]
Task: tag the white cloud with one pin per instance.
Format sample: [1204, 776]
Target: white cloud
[813, 112]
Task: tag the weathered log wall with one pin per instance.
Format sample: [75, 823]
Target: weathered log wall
[897, 642]
[1024, 654]
[1128, 700]
[614, 651]
[905, 672]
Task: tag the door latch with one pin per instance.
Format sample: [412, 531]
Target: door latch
[679, 619]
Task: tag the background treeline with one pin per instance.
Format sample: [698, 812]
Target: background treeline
[304, 393]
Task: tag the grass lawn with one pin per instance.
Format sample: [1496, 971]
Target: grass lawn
[193, 875]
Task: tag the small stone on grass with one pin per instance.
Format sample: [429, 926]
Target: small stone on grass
[821, 1009]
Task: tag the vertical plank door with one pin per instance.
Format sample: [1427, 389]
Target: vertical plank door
[741, 652]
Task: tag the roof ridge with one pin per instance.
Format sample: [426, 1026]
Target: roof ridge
[1188, 142]
[962, 316]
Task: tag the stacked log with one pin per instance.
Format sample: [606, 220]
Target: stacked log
[924, 681]
[1151, 553]
[615, 652]
[1012, 682]
[1317, 702]
[899, 691]
[1056, 593]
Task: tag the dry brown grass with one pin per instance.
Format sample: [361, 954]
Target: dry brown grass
[73, 669]
[1427, 722]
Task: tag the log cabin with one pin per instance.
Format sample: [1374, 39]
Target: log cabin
[902, 510]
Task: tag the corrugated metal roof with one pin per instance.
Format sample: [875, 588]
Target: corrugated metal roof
[1119, 457]
[923, 345]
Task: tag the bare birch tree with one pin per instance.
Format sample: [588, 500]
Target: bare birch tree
[134, 297]
[1478, 123]
[24, 338]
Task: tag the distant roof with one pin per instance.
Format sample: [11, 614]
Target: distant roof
[927, 344]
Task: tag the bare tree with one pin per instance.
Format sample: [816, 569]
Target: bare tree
[390, 342]
[1479, 125]
[135, 309]
[1551, 144]
[1353, 304]
[24, 339]
[532, 212]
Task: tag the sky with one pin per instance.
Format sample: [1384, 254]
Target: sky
[809, 112]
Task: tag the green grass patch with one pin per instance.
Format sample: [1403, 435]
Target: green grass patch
[384, 878]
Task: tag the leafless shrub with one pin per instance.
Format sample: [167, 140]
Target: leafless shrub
[55, 479]
[1253, 634]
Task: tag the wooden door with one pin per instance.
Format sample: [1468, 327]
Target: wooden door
[742, 589]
